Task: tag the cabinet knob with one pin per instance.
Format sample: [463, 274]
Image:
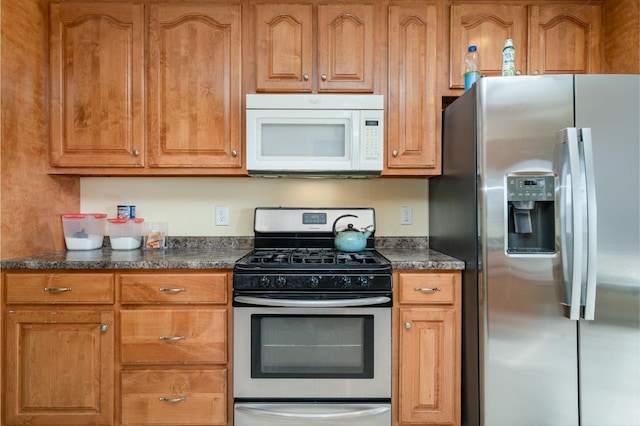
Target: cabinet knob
[104, 327]
[323, 77]
[136, 153]
[305, 77]
[407, 325]
[394, 153]
[536, 72]
[234, 153]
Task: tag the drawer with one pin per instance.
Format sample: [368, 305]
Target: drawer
[174, 397]
[429, 288]
[60, 288]
[173, 288]
[174, 336]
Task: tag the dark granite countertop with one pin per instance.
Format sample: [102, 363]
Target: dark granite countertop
[215, 253]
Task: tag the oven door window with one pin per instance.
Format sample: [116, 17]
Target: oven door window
[308, 346]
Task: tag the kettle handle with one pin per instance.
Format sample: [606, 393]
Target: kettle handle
[336, 221]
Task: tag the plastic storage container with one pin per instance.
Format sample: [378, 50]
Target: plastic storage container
[471, 72]
[84, 231]
[125, 234]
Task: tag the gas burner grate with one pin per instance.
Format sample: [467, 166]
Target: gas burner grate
[310, 257]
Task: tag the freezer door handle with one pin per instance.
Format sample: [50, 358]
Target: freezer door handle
[592, 224]
[576, 213]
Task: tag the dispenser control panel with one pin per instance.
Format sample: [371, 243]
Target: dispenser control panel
[530, 188]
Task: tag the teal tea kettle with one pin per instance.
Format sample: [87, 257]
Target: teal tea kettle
[350, 239]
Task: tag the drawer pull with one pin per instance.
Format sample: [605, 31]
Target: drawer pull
[57, 289]
[427, 289]
[172, 290]
[173, 400]
[172, 338]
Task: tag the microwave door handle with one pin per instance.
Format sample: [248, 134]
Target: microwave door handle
[292, 303]
[257, 410]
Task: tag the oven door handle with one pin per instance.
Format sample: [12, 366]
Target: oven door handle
[292, 303]
[257, 410]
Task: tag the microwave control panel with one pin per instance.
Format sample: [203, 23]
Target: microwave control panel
[372, 139]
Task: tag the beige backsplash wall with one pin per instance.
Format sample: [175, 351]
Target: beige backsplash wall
[188, 204]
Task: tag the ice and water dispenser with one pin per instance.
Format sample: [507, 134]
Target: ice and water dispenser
[530, 212]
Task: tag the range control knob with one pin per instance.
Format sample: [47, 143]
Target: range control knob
[265, 282]
[363, 281]
[314, 281]
[346, 282]
[281, 281]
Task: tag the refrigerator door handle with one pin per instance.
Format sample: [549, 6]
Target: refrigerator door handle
[577, 211]
[592, 224]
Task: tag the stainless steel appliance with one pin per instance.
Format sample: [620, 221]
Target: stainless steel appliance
[312, 325]
[315, 135]
[540, 197]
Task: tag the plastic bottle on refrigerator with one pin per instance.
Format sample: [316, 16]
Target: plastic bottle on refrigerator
[471, 73]
[508, 58]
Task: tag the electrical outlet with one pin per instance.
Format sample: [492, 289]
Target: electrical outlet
[406, 215]
[222, 215]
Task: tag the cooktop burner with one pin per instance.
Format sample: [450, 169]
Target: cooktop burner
[310, 256]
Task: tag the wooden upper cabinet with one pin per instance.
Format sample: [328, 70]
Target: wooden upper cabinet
[487, 26]
[96, 85]
[194, 77]
[562, 38]
[412, 142]
[346, 46]
[565, 39]
[286, 48]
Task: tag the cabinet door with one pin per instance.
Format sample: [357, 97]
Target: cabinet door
[412, 141]
[346, 48]
[194, 85]
[96, 85]
[427, 363]
[59, 367]
[564, 39]
[284, 47]
[487, 26]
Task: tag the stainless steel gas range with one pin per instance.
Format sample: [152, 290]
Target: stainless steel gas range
[312, 324]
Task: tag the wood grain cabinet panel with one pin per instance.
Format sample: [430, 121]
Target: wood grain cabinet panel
[427, 348]
[173, 288]
[96, 52]
[565, 39]
[173, 336]
[194, 86]
[59, 367]
[338, 55]
[412, 142]
[550, 38]
[60, 288]
[486, 25]
[174, 397]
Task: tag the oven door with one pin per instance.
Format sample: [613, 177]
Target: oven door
[312, 352]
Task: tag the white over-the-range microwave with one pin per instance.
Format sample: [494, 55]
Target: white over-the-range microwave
[315, 135]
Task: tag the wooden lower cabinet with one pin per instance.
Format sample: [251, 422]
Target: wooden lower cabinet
[119, 348]
[427, 348]
[174, 348]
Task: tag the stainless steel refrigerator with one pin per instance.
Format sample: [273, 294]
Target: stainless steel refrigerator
[540, 197]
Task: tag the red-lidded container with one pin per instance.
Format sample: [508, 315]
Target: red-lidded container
[125, 234]
[84, 231]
